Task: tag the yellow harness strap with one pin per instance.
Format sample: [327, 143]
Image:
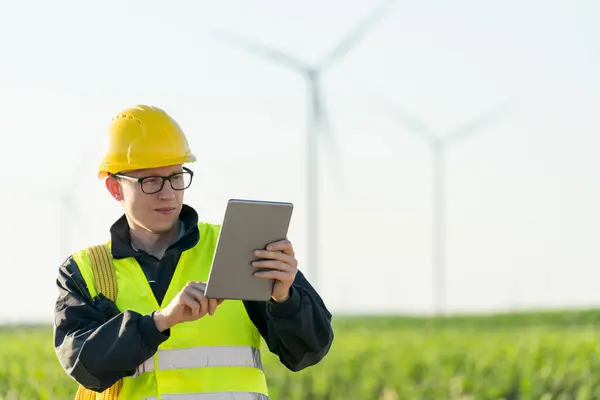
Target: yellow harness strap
[106, 283]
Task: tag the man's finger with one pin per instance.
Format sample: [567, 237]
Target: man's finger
[275, 255]
[219, 301]
[196, 288]
[201, 286]
[281, 245]
[197, 293]
[190, 302]
[278, 275]
[273, 264]
[212, 306]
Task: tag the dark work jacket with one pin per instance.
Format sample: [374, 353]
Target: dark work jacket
[97, 344]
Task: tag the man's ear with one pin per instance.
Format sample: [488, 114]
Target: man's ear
[114, 188]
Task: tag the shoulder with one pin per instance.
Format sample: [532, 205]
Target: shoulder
[208, 228]
[208, 236]
[76, 270]
[71, 278]
[208, 225]
[82, 256]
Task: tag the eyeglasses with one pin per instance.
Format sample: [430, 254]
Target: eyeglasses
[154, 184]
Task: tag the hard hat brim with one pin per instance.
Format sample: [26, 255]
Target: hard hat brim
[107, 169]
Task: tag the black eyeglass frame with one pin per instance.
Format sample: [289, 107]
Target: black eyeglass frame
[164, 179]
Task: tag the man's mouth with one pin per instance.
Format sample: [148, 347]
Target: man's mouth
[165, 210]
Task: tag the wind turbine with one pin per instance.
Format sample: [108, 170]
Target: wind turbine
[63, 194]
[318, 124]
[438, 145]
[67, 207]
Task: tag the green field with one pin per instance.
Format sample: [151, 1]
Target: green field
[515, 356]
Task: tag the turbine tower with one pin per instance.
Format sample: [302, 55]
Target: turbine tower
[438, 145]
[317, 124]
[69, 207]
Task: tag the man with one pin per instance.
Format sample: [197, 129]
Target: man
[162, 338]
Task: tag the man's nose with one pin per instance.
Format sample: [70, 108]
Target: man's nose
[167, 191]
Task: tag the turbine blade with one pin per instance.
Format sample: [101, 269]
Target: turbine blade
[352, 39]
[260, 50]
[415, 126]
[478, 123]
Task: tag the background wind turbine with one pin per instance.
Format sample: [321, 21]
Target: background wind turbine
[65, 195]
[318, 123]
[438, 145]
[69, 208]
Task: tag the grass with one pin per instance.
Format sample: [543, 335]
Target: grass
[530, 355]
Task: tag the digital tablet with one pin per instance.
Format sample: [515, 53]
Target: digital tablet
[248, 225]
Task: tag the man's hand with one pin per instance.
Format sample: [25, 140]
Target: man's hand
[189, 305]
[279, 257]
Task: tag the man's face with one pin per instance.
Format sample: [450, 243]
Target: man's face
[155, 212]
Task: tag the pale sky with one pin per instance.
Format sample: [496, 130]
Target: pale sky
[523, 194]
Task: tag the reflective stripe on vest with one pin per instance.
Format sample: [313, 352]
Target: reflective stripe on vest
[204, 356]
[212, 396]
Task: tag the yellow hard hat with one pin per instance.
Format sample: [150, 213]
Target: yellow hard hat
[144, 137]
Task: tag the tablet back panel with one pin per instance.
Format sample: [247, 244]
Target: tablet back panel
[248, 225]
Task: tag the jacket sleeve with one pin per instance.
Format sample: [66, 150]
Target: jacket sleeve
[95, 343]
[299, 330]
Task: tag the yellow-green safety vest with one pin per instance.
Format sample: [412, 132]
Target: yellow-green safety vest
[214, 357]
